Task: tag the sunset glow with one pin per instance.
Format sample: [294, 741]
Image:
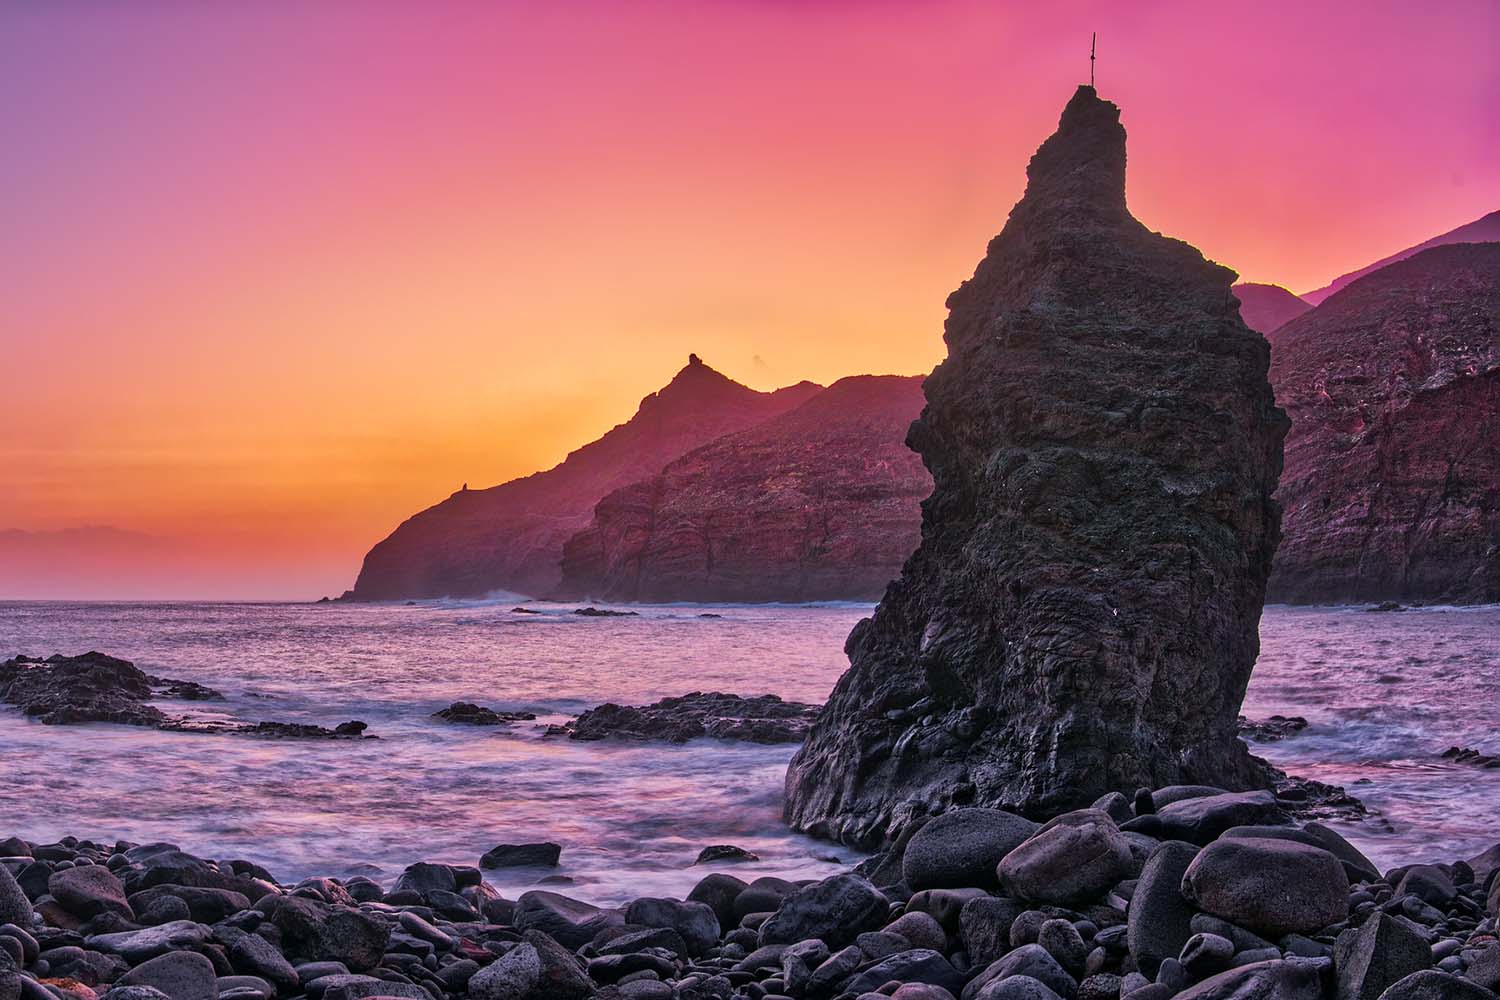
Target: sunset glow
[276, 276]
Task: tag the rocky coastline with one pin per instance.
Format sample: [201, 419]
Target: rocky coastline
[1188, 892]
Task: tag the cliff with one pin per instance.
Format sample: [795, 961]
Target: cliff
[510, 537]
[818, 503]
[1482, 230]
[1392, 482]
[1081, 616]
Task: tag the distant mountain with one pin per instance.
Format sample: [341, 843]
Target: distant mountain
[510, 537]
[821, 503]
[1485, 230]
[1391, 489]
[1266, 307]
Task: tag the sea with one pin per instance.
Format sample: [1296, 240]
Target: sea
[1384, 694]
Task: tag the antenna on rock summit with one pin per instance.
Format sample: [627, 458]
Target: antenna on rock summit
[1093, 39]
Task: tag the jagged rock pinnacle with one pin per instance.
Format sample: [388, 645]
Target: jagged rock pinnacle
[1082, 613]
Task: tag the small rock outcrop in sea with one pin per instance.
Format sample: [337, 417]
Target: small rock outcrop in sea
[1392, 482]
[762, 719]
[819, 503]
[979, 904]
[95, 687]
[510, 537]
[1082, 613]
[470, 714]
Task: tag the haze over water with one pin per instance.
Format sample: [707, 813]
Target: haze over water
[1385, 694]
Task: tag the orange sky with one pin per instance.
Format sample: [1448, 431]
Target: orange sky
[277, 275]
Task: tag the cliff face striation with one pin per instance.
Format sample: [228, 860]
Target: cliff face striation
[1081, 615]
[1392, 484]
[1265, 308]
[819, 503]
[510, 537]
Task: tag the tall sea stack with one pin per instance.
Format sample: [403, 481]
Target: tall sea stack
[1082, 613]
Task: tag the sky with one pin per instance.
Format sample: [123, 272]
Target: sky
[275, 276]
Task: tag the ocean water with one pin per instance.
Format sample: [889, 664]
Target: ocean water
[1384, 693]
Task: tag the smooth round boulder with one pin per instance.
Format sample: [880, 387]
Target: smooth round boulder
[1028, 960]
[1430, 984]
[1289, 979]
[1272, 887]
[1067, 864]
[961, 848]
[89, 890]
[181, 975]
[1016, 988]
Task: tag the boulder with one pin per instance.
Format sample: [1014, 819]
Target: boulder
[1273, 887]
[1369, 958]
[312, 930]
[835, 911]
[571, 922]
[89, 890]
[718, 892]
[1289, 979]
[1430, 984]
[138, 946]
[696, 922]
[537, 968]
[252, 955]
[961, 848]
[984, 927]
[181, 975]
[1029, 960]
[15, 908]
[1201, 819]
[1159, 919]
[1067, 864]
[544, 855]
[920, 965]
[1016, 988]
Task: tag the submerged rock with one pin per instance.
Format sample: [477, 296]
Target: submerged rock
[95, 687]
[1082, 614]
[762, 719]
[471, 714]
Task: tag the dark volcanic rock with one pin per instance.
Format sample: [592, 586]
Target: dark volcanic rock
[819, 503]
[1081, 616]
[961, 848]
[544, 855]
[88, 688]
[510, 537]
[94, 687]
[762, 719]
[1392, 483]
[471, 714]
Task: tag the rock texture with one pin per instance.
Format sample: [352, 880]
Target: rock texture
[510, 537]
[822, 502]
[1482, 230]
[1392, 483]
[1264, 308]
[1081, 616]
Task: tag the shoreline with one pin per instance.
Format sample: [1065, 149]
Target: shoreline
[1185, 891]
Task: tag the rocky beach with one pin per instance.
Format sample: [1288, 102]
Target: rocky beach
[1042, 770]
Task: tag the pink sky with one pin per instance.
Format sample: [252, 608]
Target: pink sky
[278, 275]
